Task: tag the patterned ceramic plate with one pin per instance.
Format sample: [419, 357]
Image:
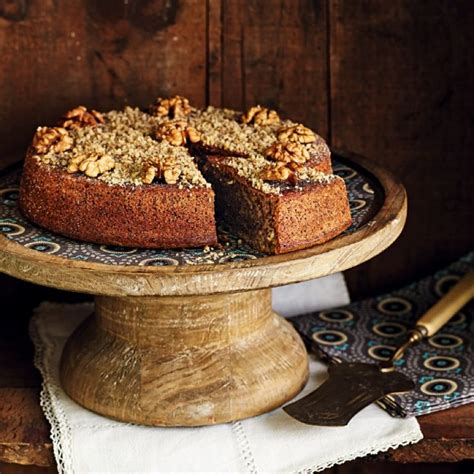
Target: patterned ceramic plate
[365, 196]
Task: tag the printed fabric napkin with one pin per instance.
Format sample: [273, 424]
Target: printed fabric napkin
[88, 443]
[442, 366]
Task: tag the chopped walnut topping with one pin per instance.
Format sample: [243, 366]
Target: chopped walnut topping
[177, 133]
[270, 163]
[91, 166]
[290, 152]
[81, 117]
[174, 107]
[127, 136]
[261, 116]
[296, 133]
[56, 139]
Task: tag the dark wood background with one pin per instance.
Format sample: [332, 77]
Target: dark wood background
[388, 79]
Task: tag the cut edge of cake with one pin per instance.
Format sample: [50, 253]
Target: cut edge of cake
[283, 221]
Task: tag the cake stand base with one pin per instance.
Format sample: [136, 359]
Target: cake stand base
[184, 360]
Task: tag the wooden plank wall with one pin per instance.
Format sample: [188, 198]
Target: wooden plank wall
[392, 80]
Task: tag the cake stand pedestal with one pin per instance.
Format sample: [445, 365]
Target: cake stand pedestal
[191, 345]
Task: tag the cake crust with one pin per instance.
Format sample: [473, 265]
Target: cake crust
[82, 208]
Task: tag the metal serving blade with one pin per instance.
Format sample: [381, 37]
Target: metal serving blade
[349, 388]
[352, 386]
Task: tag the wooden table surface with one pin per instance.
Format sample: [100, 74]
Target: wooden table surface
[24, 432]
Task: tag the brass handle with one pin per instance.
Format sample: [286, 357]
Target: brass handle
[439, 314]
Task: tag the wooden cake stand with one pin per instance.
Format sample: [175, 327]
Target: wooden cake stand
[184, 344]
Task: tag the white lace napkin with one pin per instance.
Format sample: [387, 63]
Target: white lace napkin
[88, 443]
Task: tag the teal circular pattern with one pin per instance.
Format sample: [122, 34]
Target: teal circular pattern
[328, 337]
[443, 285]
[439, 387]
[43, 246]
[9, 196]
[441, 363]
[394, 305]
[336, 316]
[445, 341]
[10, 229]
[381, 352]
[389, 329]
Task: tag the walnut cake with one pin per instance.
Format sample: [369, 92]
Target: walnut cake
[160, 178]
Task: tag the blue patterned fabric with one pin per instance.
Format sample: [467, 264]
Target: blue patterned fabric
[442, 366]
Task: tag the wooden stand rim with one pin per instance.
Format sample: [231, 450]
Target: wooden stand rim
[339, 254]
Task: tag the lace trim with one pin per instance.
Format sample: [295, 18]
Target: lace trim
[49, 397]
[246, 452]
[415, 436]
[244, 446]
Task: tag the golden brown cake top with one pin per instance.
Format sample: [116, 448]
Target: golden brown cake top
[140, 148]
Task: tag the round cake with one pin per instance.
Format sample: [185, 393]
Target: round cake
[161, 178]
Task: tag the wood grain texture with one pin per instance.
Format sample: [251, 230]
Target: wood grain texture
[184, 361]
[390, 82]
[400, 91]
[432, 451]
[24, 432]
[7, 468]
[341, 253]
[274, 53]
[104, 54]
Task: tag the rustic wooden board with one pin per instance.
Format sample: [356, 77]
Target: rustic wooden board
[449, 434]
[392, 82]
[401, 93]
[403, 88]
[104, 54]
[24, 432]
[274, 53]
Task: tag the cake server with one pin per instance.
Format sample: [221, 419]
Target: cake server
[352, 386]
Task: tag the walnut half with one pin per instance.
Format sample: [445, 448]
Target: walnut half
[261, 116]
[296, 133]
[51, 138]
[173, 107]
[80, 117]
[280, 172]
[289, 152]
[91, 166]
[177, 133]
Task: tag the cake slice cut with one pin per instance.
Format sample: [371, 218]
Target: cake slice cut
[277, 217]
